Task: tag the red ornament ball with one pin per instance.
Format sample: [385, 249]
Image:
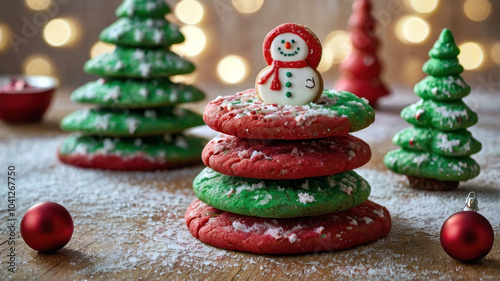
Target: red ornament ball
[467, 236]
[47, 227]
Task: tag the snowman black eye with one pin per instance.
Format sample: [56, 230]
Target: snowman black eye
[293, 41]
[282, 41]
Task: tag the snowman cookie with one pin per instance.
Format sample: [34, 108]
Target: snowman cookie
[292, 52]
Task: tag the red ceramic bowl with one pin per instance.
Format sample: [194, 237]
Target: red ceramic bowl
[25, 105]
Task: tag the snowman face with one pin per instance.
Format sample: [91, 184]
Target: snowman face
[289, 47]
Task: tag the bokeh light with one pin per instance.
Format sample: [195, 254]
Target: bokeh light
[232, 69]
[495, 53]
[337, 46]
[186, 78]
[101, 48]
[194, 44]
[38, 65]
[412, 29]
[411, 71]
[189, 11]
[38, 5]
[423, 6]
[61, 32]
[471, 55]
[4, 37]
[247, 6]
[477, 10]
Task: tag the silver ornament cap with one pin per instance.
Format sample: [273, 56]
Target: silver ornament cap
[471, 203]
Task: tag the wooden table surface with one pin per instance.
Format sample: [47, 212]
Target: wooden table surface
[129, 225]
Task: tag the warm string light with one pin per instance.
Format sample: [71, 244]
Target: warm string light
[61, 32]
[189, 11]
[336, 47]
[101, 48]
[38, 65]
[495, 53]
[477, 10]
[247, 6]
[38, 5]
[423, 6]
[4, 37]
[194, 44]
[471, 55]
[412, 30]
[232, 69]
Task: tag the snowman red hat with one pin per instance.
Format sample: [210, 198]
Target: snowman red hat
[312, 41]
[293, 53]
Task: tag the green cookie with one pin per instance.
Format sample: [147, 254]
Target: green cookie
[446, 116]
[138, 63]
[360, 114]
[137, 32]
[136, 93]
[162, 149]
[455, 143]
[128, 123]
[444, 47]
[143, 9]
[431, 165]
[281, 198]
[442, 67]
[439, 88]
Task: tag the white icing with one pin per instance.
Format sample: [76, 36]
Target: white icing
[305, 198]
[143, 92]
[145, 69]
[445, 144]
[139, 54]
[300, 94]
[102, 122]
[132, 124]
[299, 45]
[113, 94]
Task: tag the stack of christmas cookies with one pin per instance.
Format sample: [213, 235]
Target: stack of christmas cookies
[137, 124]
[279, 178]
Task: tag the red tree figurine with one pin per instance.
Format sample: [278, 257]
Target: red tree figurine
[360, 72]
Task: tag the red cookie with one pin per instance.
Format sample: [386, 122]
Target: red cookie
[244, 115]
[282, 159]
[338, 230]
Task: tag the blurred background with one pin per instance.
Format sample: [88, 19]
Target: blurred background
[224, 37]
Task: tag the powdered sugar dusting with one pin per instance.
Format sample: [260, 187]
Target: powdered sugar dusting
[137, 217]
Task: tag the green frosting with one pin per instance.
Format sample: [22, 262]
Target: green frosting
[168, 148]
[442, 67]
[439, 146]
[429, 165]
[143, 9]
[442, 88]
[136, 93]
[445, 116]
[445, 47]
[455, 143]
[125, 122]
[360, 114]
[281, 198]
[138, 32]
[138, 63]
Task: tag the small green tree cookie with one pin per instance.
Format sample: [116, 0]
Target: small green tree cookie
[435, 153]
[137, 103]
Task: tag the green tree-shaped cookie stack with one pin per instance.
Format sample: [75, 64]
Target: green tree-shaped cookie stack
[136, 124]
[435, 152]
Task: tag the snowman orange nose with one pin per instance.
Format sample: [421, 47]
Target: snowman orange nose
[287, 45]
